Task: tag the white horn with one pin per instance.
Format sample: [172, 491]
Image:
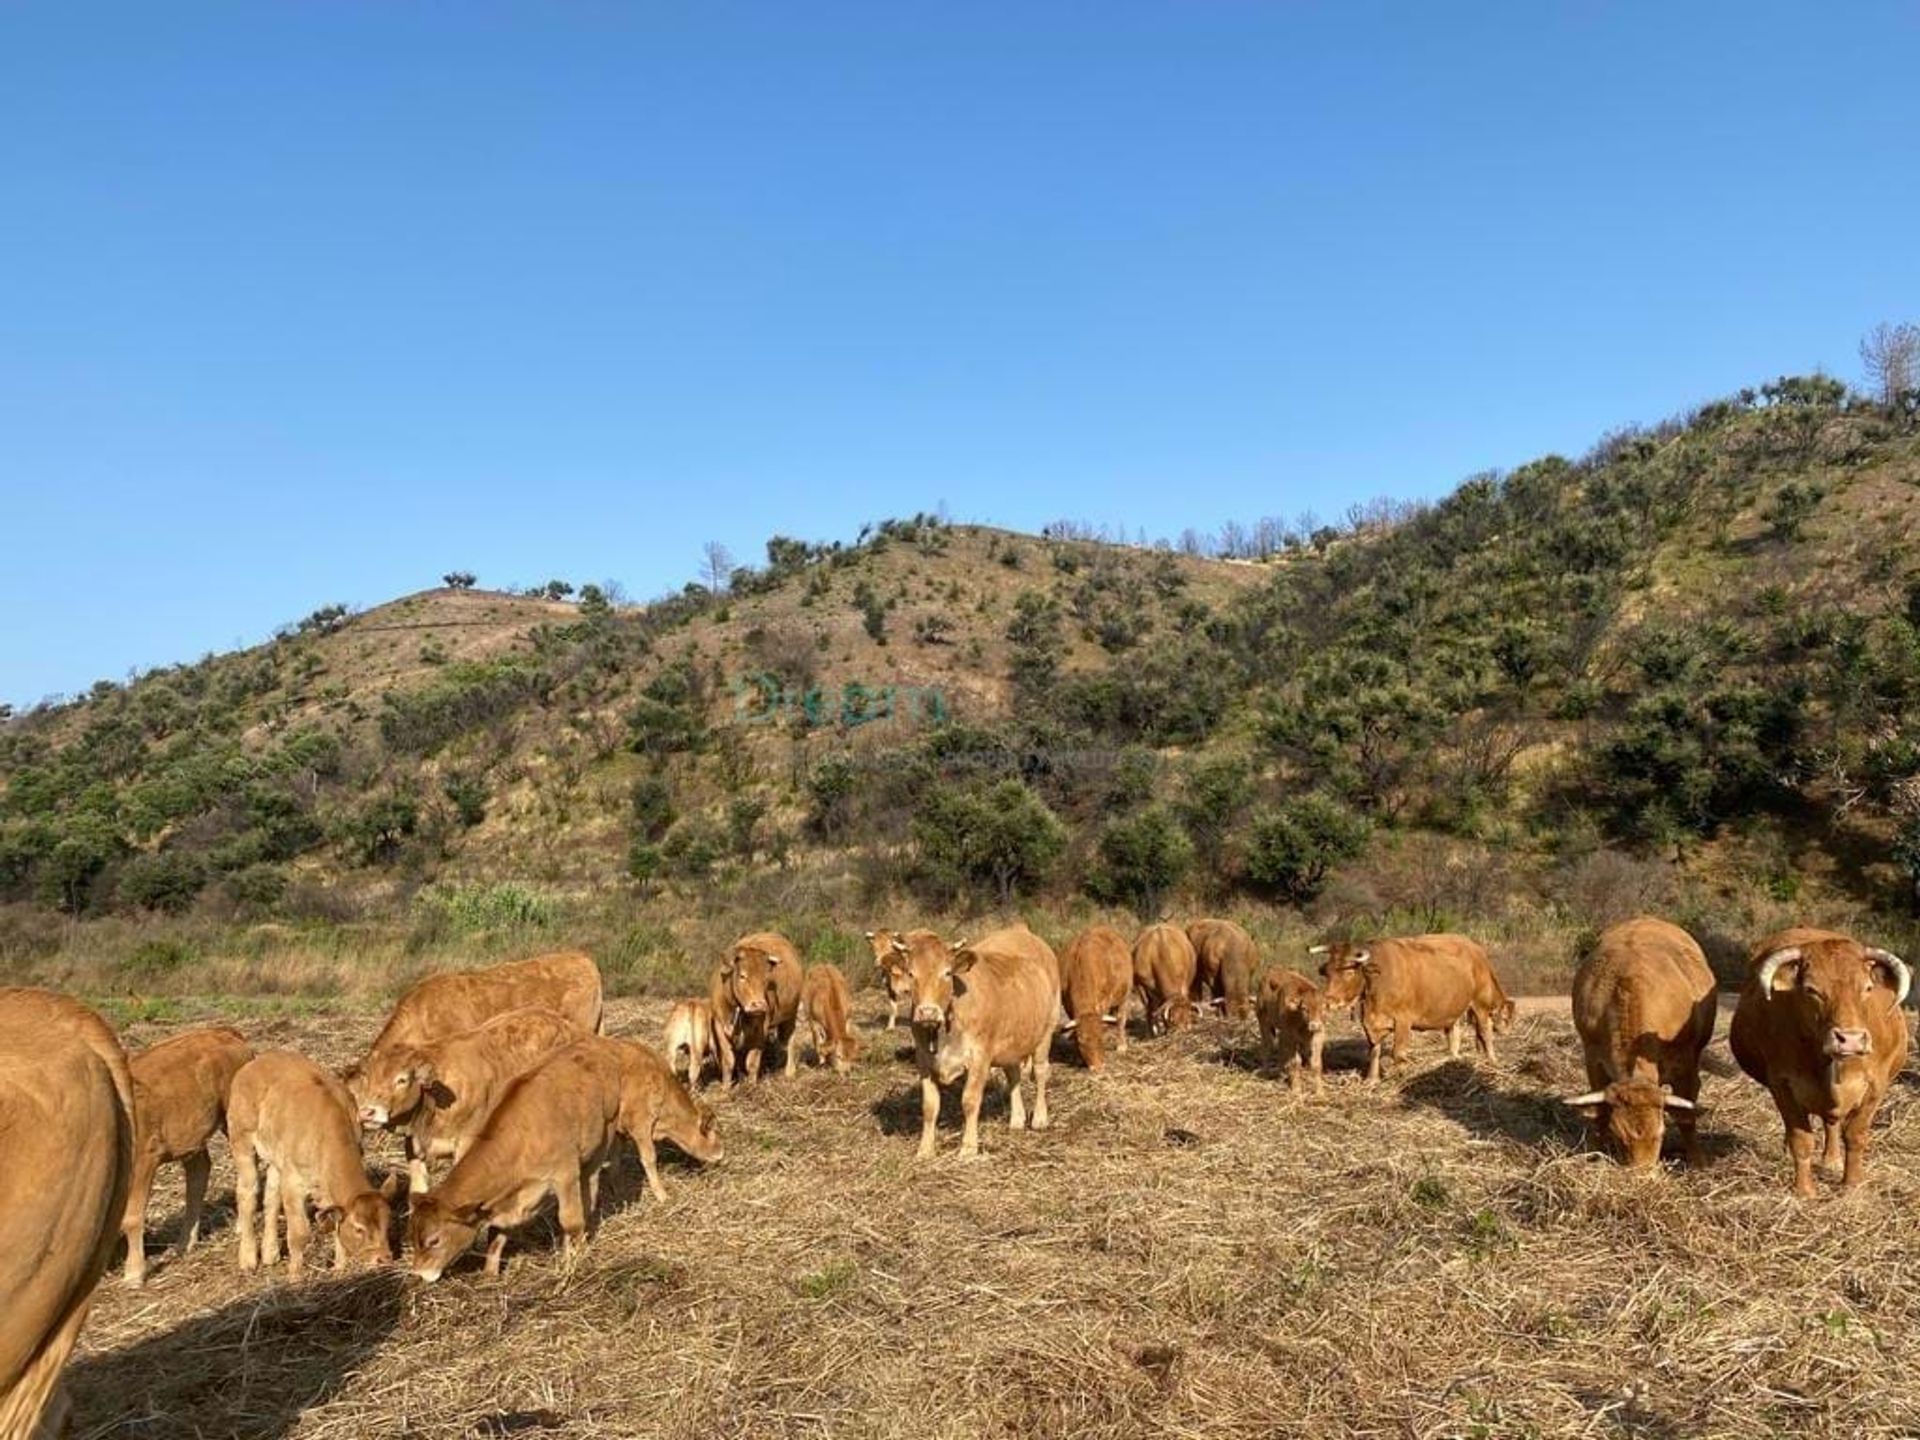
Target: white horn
[1363, 957]
[1678, 1102]
[1316, 950]
[1771, 965]
[1592, 1097]
[1902, 975]
[1068, 1026]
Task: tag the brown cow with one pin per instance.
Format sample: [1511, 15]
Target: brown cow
[66, 1123]
[756, 1003]
[654, 1107]
[827, 1004]
[1293, 1023]
[689, 1040]
[1096, 984]
[1225, 961]
[440, 1006]
[1644, 1003]
[179, 1103]
[287, 1113]
[443, 1090]
[1819, 1024]
[888, 948]
[1419, 982]
[1163, 970]
[977, 1007]
[550, 1135]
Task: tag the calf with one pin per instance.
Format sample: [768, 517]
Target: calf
[1420, 982]
[654, 1107]
[756, 1003]
[179, 1102]
[828, 1005]
[1225, 959]
[288, 1114]
[66, 1128]
[1096, 982]
[1819, 1024]
[443, 1090]
[1293, 1024]
[888, 948]
[1644, 1003]
[1163, 971]
[690, 1040]
[549, 1136]
[977, 1007]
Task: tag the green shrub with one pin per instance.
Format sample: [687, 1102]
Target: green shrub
[1292, 849]
[465, 909]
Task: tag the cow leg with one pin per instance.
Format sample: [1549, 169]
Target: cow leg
[573, 1213]
[133, 1221]
[753, 1063]
[1857, 1130]
[970, 1098]
[495, 1247]
[1799, 1137]
[929, 1115]
[270, 1218]
[1376, 1034]
[417, 1177]
[1016, 1107]
[1831, 1160]
[650, 1162]
[294, 1205]
[791, 1042]
[1483, 1035]
[1687, 1087]
[1120, 1025]
[594, 1172]
[1402, 1043]
[246, 1198]
[1453, 1041]
[199, 1168]
[1314, 1046]
[1042, 1068]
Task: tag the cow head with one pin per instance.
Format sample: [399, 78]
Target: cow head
[690, 1125]
[890, 951]
[1833, 988]
[1503, 1015]
[439, 1233]
[362, 1225]
[1306, 1007]
[388, 1088]
[1176, 1012]
[1636, 1114]
[935, 973]
[753, 975]
[1344, 967]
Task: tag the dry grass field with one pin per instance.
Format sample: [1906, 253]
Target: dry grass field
[1190, 1251]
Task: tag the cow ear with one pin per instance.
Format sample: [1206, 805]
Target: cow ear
[328, 1214]
[963, 962]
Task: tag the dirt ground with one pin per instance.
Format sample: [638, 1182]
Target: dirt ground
[1191, 1250]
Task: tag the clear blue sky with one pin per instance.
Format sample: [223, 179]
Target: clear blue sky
[303, 302]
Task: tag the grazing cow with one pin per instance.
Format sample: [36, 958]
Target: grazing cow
[288, 1114]
[66, 1156]
[1419, 982]
[1819, 1024]
[566, 982]
[549, 1136]
[1293, 1023]
[179, 1102]
[690, 1040]
[756, 1003]
[827, 1004]
[888, 948]
[991, 1004]
[1163, 970]
[443, 1090]
[1225, 961]
[1644, 1003]
[1096, 983]
[654, 1107]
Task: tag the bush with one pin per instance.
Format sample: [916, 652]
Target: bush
[1292, 849]
[168, 881]
[468, 908]
[468, 795]
[1001, 836]
[1141, 859]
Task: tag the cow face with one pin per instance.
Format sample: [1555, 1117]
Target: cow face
[890, 953]
[361, 1226]
[1635, 1112]
[1834, 989]
[753, 977]
[1503, 1016]
[1306, 1008]
[1177, 1013]
[691, 1127]
[935, 973]
[1344, 967]
[438, 1234]
[387, 1090]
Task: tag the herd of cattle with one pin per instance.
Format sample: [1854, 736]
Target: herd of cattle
[506, 1075]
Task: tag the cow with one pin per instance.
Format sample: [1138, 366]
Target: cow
[566, 982]
[689, 1040]
[300, 1122]
[1293, 1023]
[1163, 971]
[888, 947]
[443, 1090]
[755, 993]
[66, 1124]
[979, 1006]
[1819, 1024]
[1644, 1004]
[1225, 960]
[654, 1107]
[179, 1103]
[1096, 984]
[827, 1004]
[1418, 982]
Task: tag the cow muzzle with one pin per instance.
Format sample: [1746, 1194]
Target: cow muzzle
[754, 1007]
[1843, 1044]
[372, 1117]
[928, 1014]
